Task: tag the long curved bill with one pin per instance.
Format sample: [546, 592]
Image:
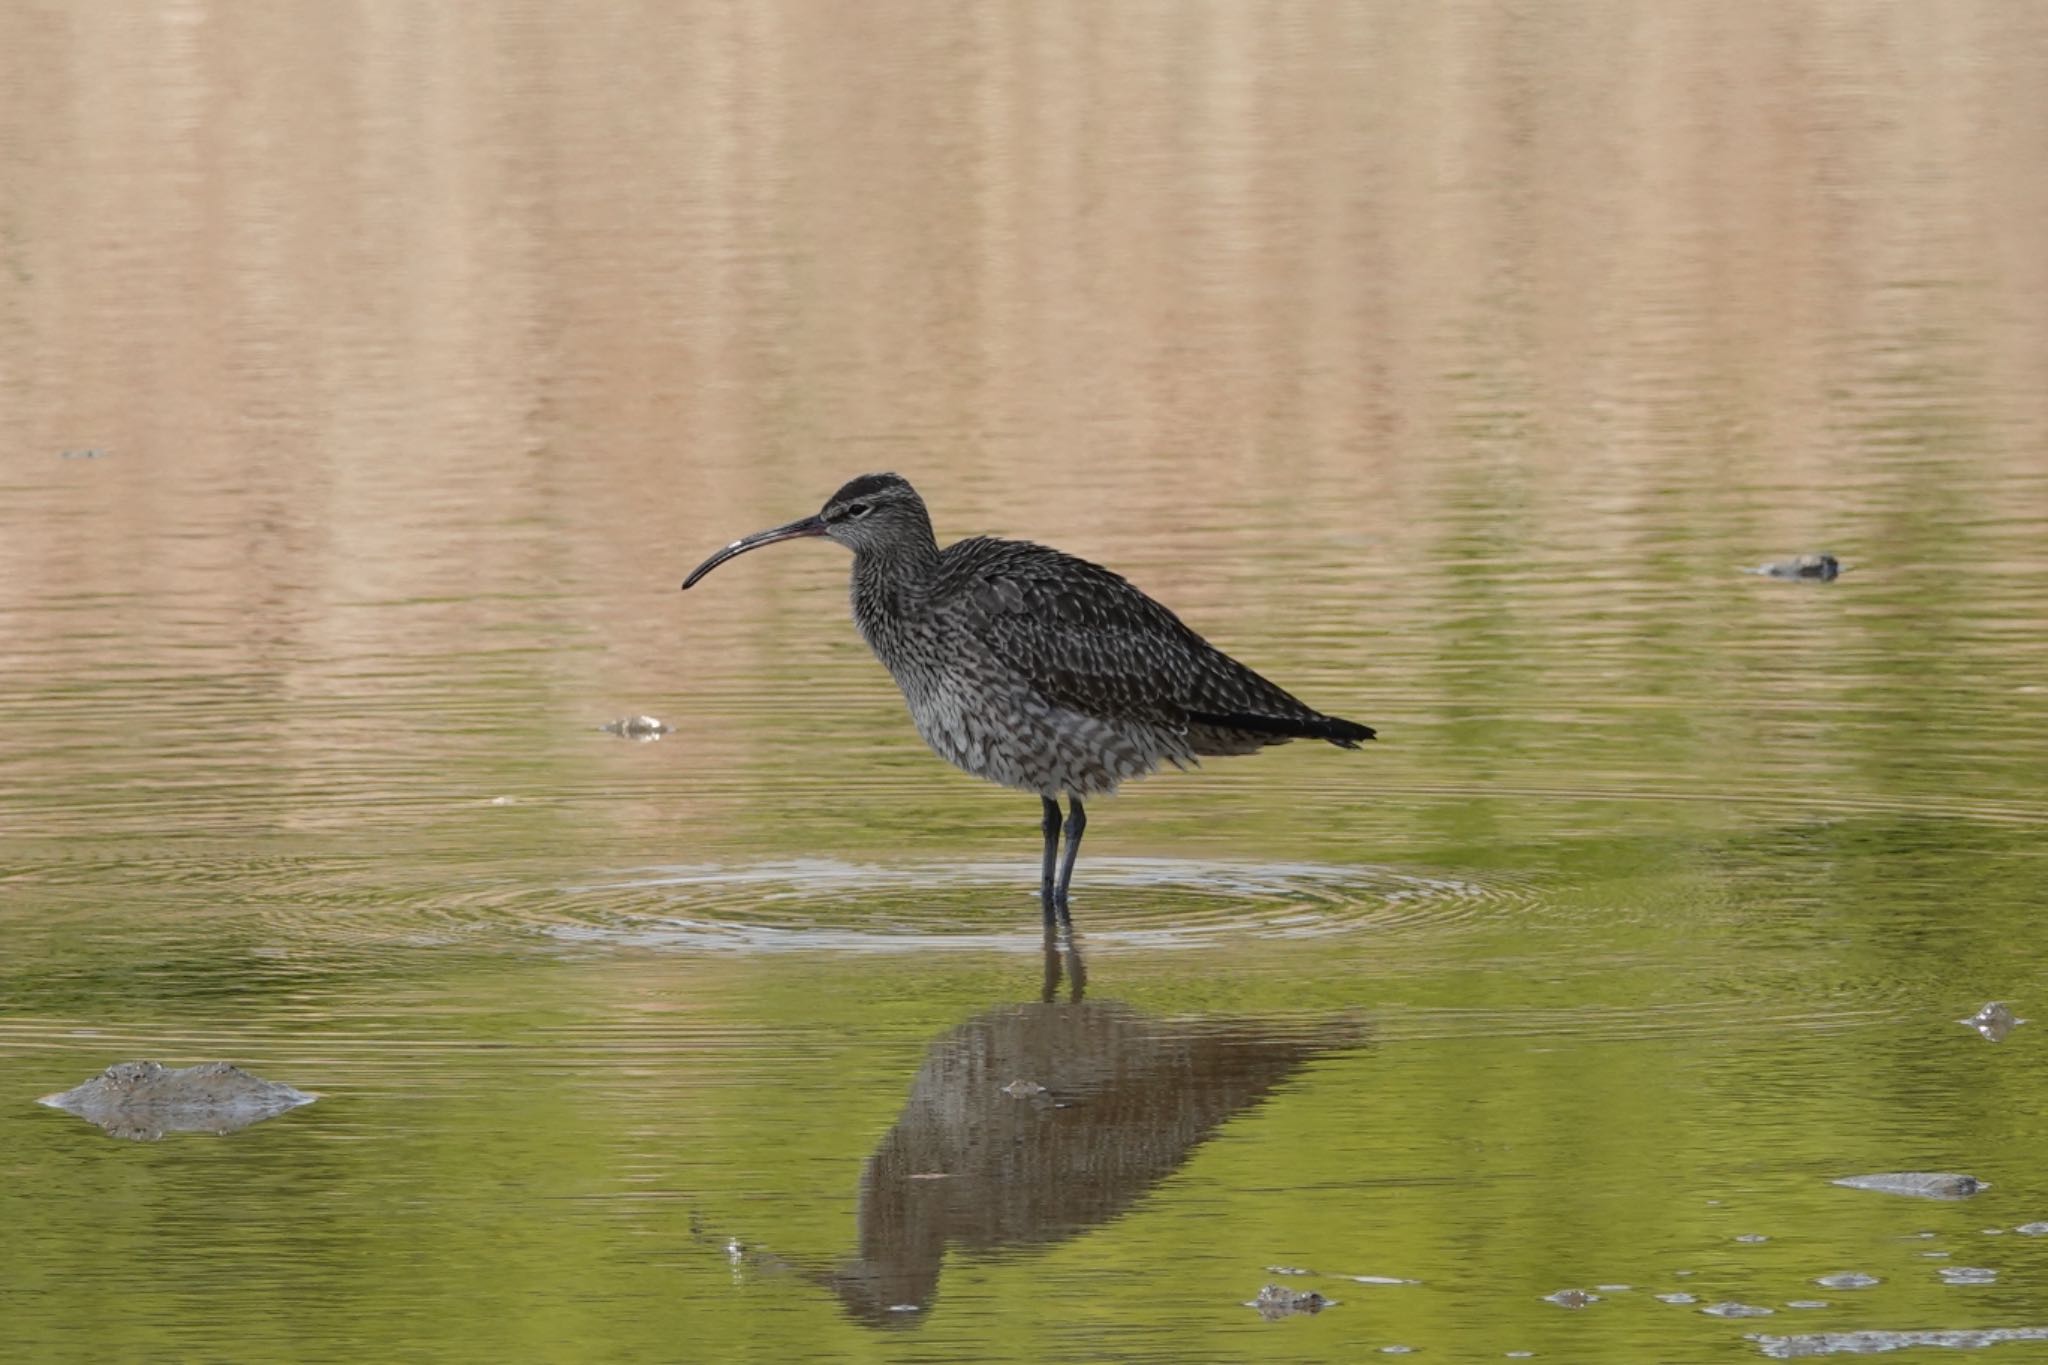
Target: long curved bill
[809, 526]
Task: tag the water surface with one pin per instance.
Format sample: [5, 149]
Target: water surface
[370, 376]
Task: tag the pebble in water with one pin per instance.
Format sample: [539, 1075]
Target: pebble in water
[1824, 568]
[1847, 1279]
[1994, 1021]
[642, 728]
[1571, 1298]
[1024, 1090]
[1919, 1184]
[1278, 1301]
[1966, 1274]
[1736, 1310]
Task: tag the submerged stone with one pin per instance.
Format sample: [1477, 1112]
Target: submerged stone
[142, 1101]
[1919, 1184]
[1881, 1342]
[1571, 1298]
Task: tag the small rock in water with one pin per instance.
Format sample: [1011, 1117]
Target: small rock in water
[1023, 1090]
[1822, 567]
[1920, 1184]
[1571, 1298]
[637, 727]
[1994, 1021]
[1847, 1279]
[142, 1101]
[1966, 1274]
[1677, 1298]
[1736, 1310]
[1278, 1301]
[2032, 1229]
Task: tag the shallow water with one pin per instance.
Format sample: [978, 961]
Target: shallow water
[1447, 363]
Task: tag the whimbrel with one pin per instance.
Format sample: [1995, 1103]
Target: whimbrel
[1038, 670]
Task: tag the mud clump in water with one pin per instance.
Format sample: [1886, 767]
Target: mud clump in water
[1278, 1301]
[1919, 1184]
[141, 1101]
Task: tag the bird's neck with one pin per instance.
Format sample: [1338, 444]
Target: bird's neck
[889, 579]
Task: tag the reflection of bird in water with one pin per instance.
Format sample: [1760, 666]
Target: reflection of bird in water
[977, 1163]
[1038, 670]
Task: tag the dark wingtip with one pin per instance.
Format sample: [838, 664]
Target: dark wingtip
[1345, 734]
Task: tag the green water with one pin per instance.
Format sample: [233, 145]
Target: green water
[426, 360]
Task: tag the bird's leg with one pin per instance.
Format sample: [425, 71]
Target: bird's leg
[1052, 850]
[1077, 824]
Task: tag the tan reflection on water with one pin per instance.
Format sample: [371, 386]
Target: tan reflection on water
[322, 268]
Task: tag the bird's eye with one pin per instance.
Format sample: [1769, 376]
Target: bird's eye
[859, 509]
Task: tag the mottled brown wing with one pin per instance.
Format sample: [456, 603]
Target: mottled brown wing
[1085, 639]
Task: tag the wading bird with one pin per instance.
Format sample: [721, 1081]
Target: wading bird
[1038, 670]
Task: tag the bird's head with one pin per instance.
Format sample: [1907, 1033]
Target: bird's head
[874, 514]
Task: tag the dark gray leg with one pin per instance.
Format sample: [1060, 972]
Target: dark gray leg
[1077, 824]
[1046, 884]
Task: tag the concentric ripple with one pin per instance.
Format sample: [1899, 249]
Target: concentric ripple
[824, 904]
